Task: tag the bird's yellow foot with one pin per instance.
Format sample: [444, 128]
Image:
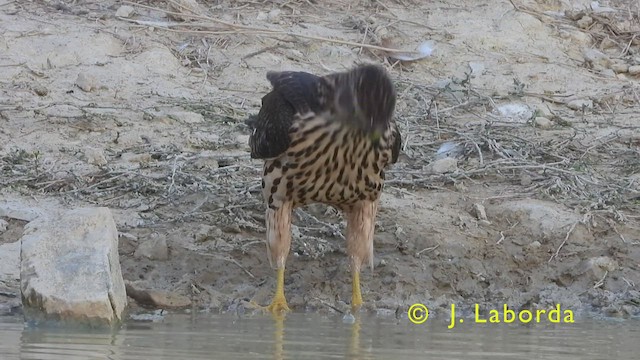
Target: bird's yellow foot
[278, 305]
[279, 302]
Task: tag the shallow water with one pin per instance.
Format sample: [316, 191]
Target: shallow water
[312, 336]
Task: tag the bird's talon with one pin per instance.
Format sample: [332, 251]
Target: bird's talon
[254, 305]
[277, 306]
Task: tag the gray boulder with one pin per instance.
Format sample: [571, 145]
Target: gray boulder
[70, 270]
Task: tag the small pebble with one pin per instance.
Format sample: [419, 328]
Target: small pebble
[348, 318]
[634, 70]
[544, 111]
[596, 57]
[445, 165]
[543, 122]
[187, 117]
[620, 68]
[585, 22]
[274, 14]
[95, 156]
[477, 68]
[525, 179]
[125, 11]
[262, 16]
[40, 90]
[535, 245]
[580, 104]
[143, 158]
[597, 267]
[608, 73]
[479, 212]
[86, 82]
[607, 43]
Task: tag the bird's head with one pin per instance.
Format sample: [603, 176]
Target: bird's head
[364, 97]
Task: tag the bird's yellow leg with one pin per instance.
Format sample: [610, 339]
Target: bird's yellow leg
[356, 295]
[279, 302]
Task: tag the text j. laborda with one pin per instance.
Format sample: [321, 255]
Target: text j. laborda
[418, 314]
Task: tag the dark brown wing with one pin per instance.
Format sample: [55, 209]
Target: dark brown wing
[299, 88]
[397, 144]
[270, 128]
[294, 94]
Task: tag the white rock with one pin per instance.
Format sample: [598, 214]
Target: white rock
[70, 270]
[634, 70]
[479, 212]
[620, 67]
[274, 14]
[576, 36]
[87, 82]
[209, 163]
[4, 225]
[525, 179]
[153, 249]
[543, 110]
[18, 210]
[125, 11]
[543, 122]
[95, 156]
[442, 166]
[143, 158]
[515, 112]
[187, 117]
[449, 149]
[608, 73]
[596, 57]
[605, 263]
[580, 104]
[262, 16]
[607, 43]
[535, 245]
[597, 267]
[535, 216]
[10, 263]
[585, 22]
[477, 68]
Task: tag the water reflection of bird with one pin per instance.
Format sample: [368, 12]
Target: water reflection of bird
[353, 349]
[325, 140]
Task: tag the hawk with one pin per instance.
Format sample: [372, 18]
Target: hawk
[325, 139]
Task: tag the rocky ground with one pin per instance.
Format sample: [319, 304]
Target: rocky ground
[518, 180]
